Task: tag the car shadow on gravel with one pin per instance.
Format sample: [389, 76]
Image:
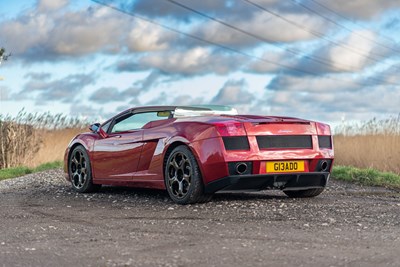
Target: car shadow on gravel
[131, 191]
[259, 195]
[162, 195]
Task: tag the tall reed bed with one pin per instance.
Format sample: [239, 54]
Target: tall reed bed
[371, 144]
[22, 136]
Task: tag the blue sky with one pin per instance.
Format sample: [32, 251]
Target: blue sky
[316, 59]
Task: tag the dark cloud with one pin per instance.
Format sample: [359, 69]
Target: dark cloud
[112, 94]
[169, 10]
[311, 84]
[52, 31]
[353, 53]
[190, 62]
[393, 24]
[65, 89]
[38, 75]
[37, 35]
[151, 80]
[355, 9]
[326, 99]
[105, 94]
[234, 92]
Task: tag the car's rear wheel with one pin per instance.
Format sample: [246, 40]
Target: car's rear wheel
[80, 171]
[304, 193]
[183, 178]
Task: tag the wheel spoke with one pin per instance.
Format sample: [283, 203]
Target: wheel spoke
[173, 180]
[81, 158]
[174, 164]
[180, 189]
[81, 180]
[75, 161]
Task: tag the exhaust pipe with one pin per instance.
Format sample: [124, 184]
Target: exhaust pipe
[324, 165]
[241, 168]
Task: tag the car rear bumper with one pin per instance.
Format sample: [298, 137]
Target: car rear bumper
[292, 181]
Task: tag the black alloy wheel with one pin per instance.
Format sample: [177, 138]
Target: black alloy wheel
[79, 170]
[183, 178]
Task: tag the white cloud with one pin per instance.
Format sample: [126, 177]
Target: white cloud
[147, 37]
[194, 61]
[268, 28]
[48, 5]
[314, 84]
[355, 58]
[362, 9]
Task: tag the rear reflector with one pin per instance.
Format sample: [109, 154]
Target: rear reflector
[324, 141]
[284, 141]
[236, 143]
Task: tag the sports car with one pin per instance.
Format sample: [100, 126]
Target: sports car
[195, 151]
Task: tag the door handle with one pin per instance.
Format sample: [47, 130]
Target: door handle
[117, 136]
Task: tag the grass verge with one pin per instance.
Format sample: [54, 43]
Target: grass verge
[366, 176]
[20, 171]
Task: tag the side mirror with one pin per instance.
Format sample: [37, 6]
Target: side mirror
[94, 127]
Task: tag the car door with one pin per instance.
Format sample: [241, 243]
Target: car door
[117, 156]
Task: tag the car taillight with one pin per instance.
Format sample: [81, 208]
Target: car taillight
[230, 129]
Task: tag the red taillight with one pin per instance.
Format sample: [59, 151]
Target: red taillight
[230, 128]
[323, 129]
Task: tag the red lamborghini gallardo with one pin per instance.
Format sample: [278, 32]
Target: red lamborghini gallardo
[194, 151]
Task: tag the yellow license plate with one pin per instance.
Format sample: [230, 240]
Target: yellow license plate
[285, 166]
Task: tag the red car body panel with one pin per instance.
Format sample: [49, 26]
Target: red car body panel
[136, 158]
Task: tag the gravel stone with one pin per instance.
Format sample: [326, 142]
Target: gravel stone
[45, 223]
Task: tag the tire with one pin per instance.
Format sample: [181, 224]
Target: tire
[304, 193]
[182, 177]
[80, 172]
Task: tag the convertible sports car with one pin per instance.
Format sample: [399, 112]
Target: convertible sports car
[194, 151]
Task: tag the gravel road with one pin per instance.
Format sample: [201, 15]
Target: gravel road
[44, 223]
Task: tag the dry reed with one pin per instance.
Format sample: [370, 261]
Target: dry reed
[372, 144]
[23, 137]
[53, 145]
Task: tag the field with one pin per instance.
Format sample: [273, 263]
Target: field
[30, 140]
[373, 144]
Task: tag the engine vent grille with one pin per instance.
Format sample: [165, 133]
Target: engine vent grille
[324, 141]
[236, 143]
[284, 141]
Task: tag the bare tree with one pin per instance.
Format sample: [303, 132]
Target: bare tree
[3, 55]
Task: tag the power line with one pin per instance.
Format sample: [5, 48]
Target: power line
[260, 38]
[202, 40]
[316, 33]
[341, 25]
[351, 20]
[223, 46]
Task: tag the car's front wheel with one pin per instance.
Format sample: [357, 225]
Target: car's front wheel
[304, 193]
[80, 171]
[183, 178]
